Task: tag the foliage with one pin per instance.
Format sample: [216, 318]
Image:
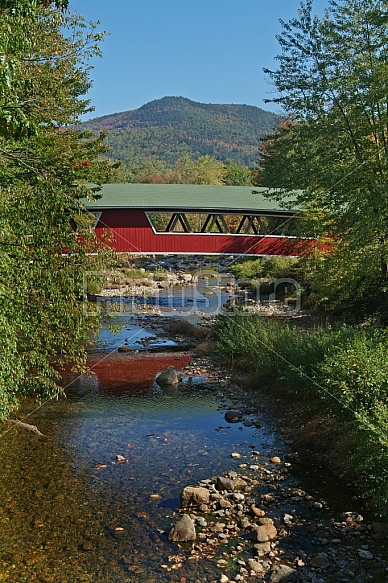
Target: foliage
[236, 174]
[204, 170]
[186, 170]
[331, 81]
[170, 128]
[273, 349]
[30, 7]
[340, 372]
[247, 269]
[273, 267]
[31, 80]
[355, 374]
[43, 166]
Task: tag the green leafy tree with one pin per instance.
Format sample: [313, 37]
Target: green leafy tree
[44, 166]
[236, 174]
[332, 82]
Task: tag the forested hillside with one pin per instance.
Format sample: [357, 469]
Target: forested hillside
[169, 128]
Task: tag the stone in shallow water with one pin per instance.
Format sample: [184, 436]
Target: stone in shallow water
[183, 530]
[168, 377]
[123, 348]
[263, 533]
[320, 561]
[194, 495]
[233, 416]
[223, 483]
[262, 548]
[255, 566]
[283, 574]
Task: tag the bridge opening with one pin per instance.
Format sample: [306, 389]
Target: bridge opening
[221, 223]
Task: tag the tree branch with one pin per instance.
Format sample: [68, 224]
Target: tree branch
[27, 426]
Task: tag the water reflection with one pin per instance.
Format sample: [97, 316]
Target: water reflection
[70, 511]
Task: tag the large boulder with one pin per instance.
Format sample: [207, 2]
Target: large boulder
[168, 377]
[183, 530]
[194, 496]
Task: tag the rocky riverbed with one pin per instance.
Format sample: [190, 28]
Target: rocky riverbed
[257, 521]
[96, 499]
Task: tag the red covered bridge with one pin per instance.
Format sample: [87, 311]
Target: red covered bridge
[194, 219]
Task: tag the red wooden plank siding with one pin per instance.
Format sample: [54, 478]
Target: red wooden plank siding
[131, 232]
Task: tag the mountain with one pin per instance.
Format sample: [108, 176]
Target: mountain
[171, 127]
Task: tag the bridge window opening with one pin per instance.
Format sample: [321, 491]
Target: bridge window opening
[222, 223]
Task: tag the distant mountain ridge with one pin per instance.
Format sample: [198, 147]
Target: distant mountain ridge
[171, 127]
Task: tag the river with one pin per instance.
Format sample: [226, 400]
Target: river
[94, 500]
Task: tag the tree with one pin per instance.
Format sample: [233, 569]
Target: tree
[44, 165]
[237, 174]
[332, 82]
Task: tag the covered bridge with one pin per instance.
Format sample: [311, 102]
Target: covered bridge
[194, 219]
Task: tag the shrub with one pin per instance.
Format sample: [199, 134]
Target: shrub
[355, 374]
[341, 373]
[247, 269]
[272, 267]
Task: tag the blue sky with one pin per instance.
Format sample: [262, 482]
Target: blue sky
[212, 51]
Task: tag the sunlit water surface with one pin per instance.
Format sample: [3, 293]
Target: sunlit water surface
[70, 511]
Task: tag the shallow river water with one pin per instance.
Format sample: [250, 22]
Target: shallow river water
[71, 512]
[65, 497]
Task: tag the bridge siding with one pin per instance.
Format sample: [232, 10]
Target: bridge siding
[131, 232]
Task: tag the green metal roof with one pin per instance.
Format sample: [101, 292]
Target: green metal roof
[185, 197]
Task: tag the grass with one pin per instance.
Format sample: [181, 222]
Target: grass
[338, 373]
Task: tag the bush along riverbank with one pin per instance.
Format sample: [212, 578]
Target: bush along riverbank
[335, 378]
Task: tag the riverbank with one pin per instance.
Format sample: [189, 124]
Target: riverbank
[333, 381]
[319, 532]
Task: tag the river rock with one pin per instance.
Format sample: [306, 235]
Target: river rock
[194, 495]
[233, 416]
[222, 503]
[263, 533]
[320, 561]
[223, 483]
[380, 530]
[168, 377]
[258, 512]
[262, 549]
[183, 530]
[123, 348]
[255, 566]
[283, 574]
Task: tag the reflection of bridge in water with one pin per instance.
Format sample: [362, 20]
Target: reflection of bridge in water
[191, 219]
